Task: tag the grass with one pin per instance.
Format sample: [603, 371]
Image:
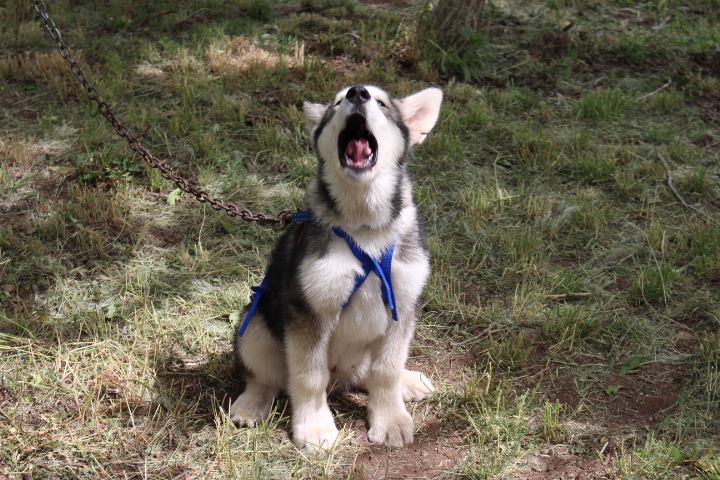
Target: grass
[605, 104]
[571, 320]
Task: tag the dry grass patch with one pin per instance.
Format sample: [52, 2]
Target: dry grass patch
[239, 55]
[148, 70]
[17, 152]
[42, 68]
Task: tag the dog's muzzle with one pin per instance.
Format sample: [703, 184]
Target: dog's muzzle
[357, 147]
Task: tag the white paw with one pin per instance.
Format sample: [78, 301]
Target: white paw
[250, 408]
[314, 433]
[415, 386]
[391, 427]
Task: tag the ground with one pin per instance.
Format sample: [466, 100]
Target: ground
[571, 320]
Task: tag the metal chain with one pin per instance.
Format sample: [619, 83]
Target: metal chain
[168, 172]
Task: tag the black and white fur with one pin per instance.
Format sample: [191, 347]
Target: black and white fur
[301, 340]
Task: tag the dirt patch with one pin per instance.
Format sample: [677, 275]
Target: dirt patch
[164, 236]
[708, 62]
[191, 21]
[560, 465]
[565, 392]
[551, 46]
[638, 400]
[437, 447]
[434, 451]
[708, 108]
[644, 398]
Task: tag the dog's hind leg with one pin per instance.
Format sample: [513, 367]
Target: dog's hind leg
[415, 386]
[262, 356]
[253, 405]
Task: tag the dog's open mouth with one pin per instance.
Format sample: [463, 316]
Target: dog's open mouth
[357, 147]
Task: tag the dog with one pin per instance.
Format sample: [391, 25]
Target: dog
[328, 312]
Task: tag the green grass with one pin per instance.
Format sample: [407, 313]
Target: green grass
[572, 315]
[601, 105]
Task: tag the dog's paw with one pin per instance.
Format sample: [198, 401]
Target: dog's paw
[392, 428]
[249, 409]
[315, 433]
[415, 386]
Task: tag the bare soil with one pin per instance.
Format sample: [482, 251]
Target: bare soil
[644, 399]
[561, 465]
[435, 451]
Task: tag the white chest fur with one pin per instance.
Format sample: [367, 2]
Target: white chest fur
[327, 282]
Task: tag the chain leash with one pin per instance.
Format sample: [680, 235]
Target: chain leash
[168, 172]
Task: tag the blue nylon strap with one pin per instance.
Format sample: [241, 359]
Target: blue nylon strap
[381, 267]
[364, 260]
[302, 216]
[384, 266]
[258, 292]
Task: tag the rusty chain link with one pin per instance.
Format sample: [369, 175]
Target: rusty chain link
[168, 172]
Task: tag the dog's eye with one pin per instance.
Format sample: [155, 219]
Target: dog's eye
[338, 102]
[382, 104]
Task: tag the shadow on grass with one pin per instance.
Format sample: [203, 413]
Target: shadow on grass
[202, 387]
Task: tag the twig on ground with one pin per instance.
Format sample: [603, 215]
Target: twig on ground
[160, 195]
[570, 295]
[470, 340]
[656, 91]
[674, 190]
[154, 16]
[184, 475]
[567, 25]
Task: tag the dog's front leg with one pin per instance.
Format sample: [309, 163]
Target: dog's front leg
[390, 423]
[313, 426]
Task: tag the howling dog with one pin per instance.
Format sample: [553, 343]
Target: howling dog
[339, 301]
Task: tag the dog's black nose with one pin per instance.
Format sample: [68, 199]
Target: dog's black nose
[358, 95]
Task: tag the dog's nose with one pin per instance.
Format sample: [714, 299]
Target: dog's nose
[358, 95]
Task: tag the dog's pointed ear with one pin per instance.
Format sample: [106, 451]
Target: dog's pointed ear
[313, 114]
[420, 111]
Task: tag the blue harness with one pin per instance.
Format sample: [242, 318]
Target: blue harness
[380, 266]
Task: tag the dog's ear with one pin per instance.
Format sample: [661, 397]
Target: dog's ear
[420, 111]
[313, 114]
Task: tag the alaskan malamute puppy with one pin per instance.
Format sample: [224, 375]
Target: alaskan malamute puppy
[340, 297]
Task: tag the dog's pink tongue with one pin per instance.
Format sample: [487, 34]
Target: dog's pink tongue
[358, 150]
